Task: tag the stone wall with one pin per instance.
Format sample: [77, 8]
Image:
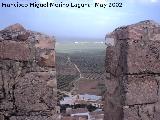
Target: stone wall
[133, 73]
[27, 75]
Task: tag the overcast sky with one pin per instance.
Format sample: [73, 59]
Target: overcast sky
[80, 23]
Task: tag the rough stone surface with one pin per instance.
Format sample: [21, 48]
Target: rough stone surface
[131, 113]
[113, 100]
[45, 42]
[32, 118]
[39, 96]
[141, 90]
[133, 73]
[27, 75]
[15, 51]
[46, 58]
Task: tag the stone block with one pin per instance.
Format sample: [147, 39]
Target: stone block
[146, 112]
[8, 85]
[46, 58]
[130, 113]
[15, 50]
[1, 86]
[124, 58]
[45, 42]
[140, 89]
[111, 60]
[1, 50]
[157, 116]
[32, 118]
[36, 92]
[114, 100]
[1, 117]
[112, 86]
[146, 60]
[6, 105]
[116, 59]
[156, 30]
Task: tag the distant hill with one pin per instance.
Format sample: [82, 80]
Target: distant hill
[71, 47]
[67, 39]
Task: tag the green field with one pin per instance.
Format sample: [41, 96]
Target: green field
[89, 58]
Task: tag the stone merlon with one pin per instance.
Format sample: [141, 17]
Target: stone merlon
[133, 73]
[28, 85]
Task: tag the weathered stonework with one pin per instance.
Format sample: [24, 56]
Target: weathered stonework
[133, 73]
[27, 75]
